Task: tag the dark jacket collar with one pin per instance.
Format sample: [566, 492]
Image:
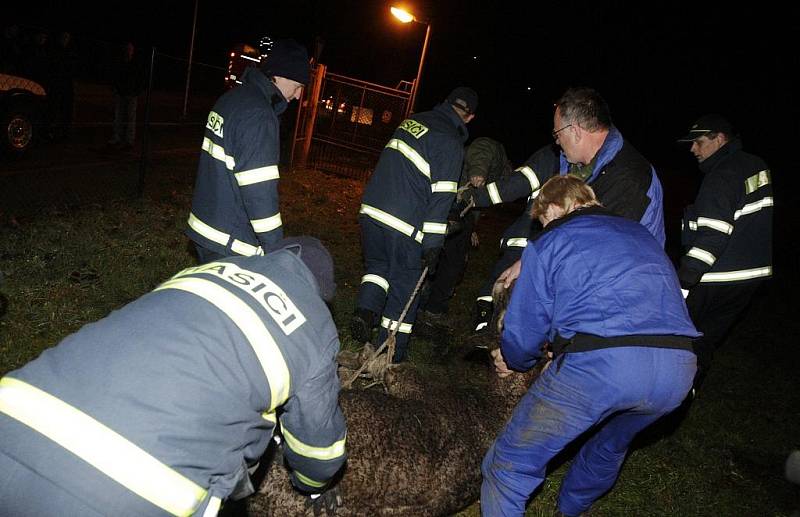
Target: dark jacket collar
[710, 163]
[255, 77]
[449, 113]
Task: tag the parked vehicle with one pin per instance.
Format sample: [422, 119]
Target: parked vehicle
[243, 56]
[22, 109]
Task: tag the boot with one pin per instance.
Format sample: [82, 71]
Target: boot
[361, 325]
[483, 316]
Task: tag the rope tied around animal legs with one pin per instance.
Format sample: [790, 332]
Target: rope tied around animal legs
[378, 363]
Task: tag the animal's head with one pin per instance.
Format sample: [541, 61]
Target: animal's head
[500, 296]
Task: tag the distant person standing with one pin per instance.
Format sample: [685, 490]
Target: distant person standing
[36, 60]
[10, 50]
[235, 208]
[127, 82]
[62, 89]
[727, 234]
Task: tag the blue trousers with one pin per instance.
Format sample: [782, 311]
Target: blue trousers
[616, 391]
[393, 264]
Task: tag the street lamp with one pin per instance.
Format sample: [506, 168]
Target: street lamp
[406, 17]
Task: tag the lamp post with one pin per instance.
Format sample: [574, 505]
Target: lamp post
[406, 17]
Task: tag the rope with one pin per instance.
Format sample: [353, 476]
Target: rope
[390, 340]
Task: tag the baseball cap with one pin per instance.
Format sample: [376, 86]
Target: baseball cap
[464, 98]
[711, 123]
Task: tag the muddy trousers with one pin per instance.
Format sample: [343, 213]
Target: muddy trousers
[614, 392]
[393, 264]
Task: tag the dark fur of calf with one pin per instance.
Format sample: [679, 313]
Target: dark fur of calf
[414, 451]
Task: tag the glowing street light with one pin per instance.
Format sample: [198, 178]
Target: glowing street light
[406, 17]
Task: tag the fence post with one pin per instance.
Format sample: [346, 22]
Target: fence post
[146, 128]
[310, 117]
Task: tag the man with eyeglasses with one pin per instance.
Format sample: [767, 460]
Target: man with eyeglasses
[727, 234]
[591, 149]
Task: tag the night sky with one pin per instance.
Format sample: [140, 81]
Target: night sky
[659, 67]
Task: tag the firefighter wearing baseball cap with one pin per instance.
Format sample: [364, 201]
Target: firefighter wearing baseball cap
[403, 214]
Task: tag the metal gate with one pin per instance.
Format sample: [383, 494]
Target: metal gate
[344, 123]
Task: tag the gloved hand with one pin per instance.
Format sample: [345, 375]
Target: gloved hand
[430, 257]
[328, 501]
[465, 197]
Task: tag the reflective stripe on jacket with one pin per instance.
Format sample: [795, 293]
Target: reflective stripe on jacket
[727, 232]
[235, 204]
[416, 179]
[526, 179]
[174, 396]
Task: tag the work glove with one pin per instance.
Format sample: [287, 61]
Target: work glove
[430, 257]
[465, 197]
[327, 502]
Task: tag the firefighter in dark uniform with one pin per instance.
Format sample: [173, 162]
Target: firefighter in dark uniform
[525, 181]
[727, 233]
[164, 406]
[235, 207]
[485, 161]
[404, 212]
[591, 149]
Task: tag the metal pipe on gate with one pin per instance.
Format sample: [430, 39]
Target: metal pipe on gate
[146, 127]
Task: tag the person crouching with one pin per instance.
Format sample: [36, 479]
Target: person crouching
[602, 291]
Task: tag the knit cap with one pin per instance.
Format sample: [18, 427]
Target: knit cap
[316, 258]
[287, 59]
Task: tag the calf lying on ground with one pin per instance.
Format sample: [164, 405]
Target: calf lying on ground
[414, 451]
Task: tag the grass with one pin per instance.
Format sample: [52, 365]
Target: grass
[65, 267]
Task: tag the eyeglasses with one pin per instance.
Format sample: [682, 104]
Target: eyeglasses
[557, 131]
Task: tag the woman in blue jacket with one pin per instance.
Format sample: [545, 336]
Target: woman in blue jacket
[598, 288]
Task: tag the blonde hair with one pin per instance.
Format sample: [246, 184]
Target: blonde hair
[565, 192]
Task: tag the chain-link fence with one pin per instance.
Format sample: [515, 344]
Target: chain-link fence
[80, 156]
[354, 120]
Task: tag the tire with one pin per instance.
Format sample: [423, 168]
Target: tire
[17, 131]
